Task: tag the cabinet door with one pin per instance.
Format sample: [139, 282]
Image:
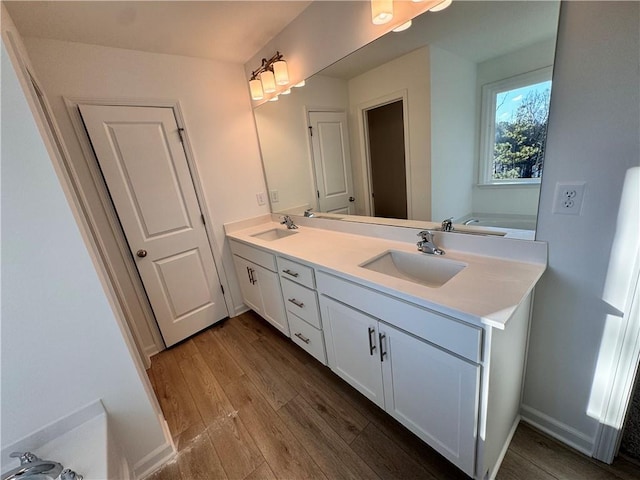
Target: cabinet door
[246, 272]
[273, 307]
[432, 393]
[351, 339]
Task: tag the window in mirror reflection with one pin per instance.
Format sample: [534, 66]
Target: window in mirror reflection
[515, 116]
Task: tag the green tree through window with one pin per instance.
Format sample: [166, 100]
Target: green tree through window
[521, 132]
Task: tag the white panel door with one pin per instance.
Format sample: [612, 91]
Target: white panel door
[432, 393]
[146, 171]
[332, 161]
[353, 351]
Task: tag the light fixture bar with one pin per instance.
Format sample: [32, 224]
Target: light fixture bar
[271, 73]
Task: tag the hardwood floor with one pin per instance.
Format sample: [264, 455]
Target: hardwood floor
[244, 402]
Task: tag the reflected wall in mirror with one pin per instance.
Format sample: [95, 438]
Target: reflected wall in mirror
[447, 119]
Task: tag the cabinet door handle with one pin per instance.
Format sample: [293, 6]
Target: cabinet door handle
[251, 277]
[289, 272]
[372, 347]
[382, 336]
[296, 302]
[302, 337]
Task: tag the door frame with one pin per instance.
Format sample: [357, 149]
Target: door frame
[365, 157]
[99, 185]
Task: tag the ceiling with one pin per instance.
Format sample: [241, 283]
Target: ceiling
[227, 31]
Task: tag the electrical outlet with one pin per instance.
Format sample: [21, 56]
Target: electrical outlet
[568, 198]
[261, 197]
[274, 195]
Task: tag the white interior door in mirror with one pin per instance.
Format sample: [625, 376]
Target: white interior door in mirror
[146, 171]
[332, 162]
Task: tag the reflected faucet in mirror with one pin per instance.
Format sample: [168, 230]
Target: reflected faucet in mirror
[435, 166]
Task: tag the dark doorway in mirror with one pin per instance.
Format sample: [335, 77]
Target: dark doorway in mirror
[388, 179]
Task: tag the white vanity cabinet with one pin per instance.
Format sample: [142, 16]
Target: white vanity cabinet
[431, 391]
[301, 304]
[259, 283]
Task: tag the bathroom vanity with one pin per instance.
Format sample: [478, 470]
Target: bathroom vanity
[438, 342]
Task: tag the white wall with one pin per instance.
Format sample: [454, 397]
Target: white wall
[408, 73]
[453, 134]
[284, 139]
[510, 199]
[61, 344]
[593, 137]
[217, 112]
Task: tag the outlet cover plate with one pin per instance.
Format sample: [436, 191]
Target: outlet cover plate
[568, 198]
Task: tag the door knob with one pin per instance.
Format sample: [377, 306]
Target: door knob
[352, 199]
[141, 253]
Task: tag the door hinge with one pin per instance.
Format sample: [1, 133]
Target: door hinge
[311, 131]
[222, 288]
[181, 133]
[318, 193]
[202, 218]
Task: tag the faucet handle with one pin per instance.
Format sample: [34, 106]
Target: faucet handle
[25, 457]
[447, 225]
[426, 235]
[68, 474]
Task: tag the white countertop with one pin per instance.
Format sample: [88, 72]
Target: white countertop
[486, 292]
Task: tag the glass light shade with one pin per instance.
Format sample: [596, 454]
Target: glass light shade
[417, 1]
[381, 11]
[300, 84]
[441, 6]
[285, 92]
[255, 86]
[281, 72]
[268, 81]
[274, 99]
[403, 27]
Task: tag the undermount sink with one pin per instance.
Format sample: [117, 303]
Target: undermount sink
[274, 234]
[427, 270]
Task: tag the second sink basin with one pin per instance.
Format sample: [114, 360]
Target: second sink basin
[420, 268]
[274, 234]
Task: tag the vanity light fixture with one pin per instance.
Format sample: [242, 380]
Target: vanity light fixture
[272, 72]
[300, 84]
[441, 6]
[381, 11]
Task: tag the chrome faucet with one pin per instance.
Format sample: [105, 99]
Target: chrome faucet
[447, 226]
[286, 220]
[32, 467]
[427, 245]
[471, 220]
[308, 213]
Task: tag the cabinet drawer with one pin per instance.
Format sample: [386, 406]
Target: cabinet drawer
[301, 301]
[307, 337]
[446, 332]
[296, 272]
[255, 255]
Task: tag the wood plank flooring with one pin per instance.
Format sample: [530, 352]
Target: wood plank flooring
[244, 402]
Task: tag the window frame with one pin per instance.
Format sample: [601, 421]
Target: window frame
[489, 94]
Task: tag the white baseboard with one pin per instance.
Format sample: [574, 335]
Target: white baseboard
[558, 430]
[240, 310]
[154, 460]
[492, 474]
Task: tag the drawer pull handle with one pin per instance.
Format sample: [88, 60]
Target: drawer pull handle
[382, 336]
[302, 337]
[289, 272]
[372, 347]
[296, 302]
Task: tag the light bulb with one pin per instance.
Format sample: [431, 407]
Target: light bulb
[268, 81]
[286, 92]
[300, 84]
[403, 27]
[255, 86]
[381, 11]
[281, 72]
[441, 6]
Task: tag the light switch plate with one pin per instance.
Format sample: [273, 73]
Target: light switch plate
[568, 198]
[274, 195]
[261, 198]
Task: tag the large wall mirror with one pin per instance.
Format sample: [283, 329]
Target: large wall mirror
[444, 120]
